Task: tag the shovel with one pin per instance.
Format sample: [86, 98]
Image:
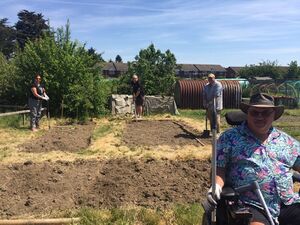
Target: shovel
[206, 131]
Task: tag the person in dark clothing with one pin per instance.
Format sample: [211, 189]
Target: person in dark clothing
[37, 93]
[138, 95]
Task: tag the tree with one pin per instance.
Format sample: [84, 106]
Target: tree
[155, 69]
[30, 26]
[293, 71]
[7, 80]
[95, 55]
[263, 69]
[118, 59]
[7, 38]
[71, 74]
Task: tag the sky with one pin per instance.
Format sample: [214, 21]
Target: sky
[224, 32]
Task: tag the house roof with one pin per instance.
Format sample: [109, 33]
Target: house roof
[202, 67]
[187, 67]
[121, 66]
[115, 66]
[210, 67]
[109, 66]
[236, 68]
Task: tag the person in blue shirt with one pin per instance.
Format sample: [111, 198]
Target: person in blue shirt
[257, 151]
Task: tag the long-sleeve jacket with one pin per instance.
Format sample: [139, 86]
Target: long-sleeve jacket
[212, 91]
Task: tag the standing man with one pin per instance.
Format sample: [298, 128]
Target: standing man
[37, 93]
[138, 95]
[257, 151]
[213, 94]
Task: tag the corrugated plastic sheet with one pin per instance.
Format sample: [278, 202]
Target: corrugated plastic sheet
[189, 94]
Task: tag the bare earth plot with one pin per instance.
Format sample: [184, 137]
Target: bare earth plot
[160, 132]
[34, 188]
[63, 138]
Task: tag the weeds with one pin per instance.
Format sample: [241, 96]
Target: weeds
[179, 215]
[192, 113]
[149, 217]
[101, 131]
[188, 214]
[107, 217]
[13, 121]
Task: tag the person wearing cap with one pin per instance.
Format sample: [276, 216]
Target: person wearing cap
[138, 95]
[213, 100]
[257, 151]
[37, 93]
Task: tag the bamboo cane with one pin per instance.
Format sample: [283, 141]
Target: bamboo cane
[57, 221]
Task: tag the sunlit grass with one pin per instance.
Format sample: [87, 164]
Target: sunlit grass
[101, 131]
[292, 112]
[180, 214]
[14, 121]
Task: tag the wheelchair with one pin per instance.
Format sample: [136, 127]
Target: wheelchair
[230, 210]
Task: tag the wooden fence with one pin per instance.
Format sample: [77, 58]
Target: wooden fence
[21, 112]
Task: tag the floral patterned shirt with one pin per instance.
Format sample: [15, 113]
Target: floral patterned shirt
[246, 159]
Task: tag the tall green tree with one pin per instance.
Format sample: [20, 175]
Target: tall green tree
[30, 26]
[293, 71]
[7, 38]
[118, 59]
[70, 73]
[96, 56]
[155, 69]
[7, 80]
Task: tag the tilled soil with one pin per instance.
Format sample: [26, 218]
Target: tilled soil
[62, 138]
[160, 132]
[37, 188]
[32, 188]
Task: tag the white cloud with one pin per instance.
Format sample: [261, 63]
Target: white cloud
[227, 24]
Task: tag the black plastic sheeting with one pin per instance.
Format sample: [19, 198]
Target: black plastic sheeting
[189, 94]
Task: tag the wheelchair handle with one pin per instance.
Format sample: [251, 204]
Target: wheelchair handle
[248, 187]
[254, 186]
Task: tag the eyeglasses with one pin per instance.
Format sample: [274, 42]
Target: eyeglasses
[264, 113]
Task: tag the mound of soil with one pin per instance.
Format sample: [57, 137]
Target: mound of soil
[62, 138]
[160, 132]
[37, 188]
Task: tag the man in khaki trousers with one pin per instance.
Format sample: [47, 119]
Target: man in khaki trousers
[213, 94]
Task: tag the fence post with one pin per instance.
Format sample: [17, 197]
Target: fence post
[62, 109]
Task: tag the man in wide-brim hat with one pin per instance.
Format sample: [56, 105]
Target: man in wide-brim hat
[261, 112]
[257, 151]
[265, 101]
